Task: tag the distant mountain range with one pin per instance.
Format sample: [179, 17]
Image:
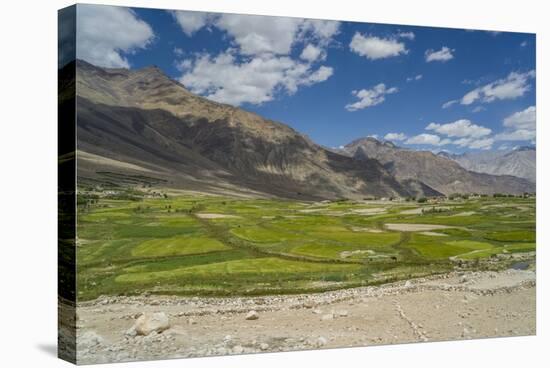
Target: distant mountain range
[520, 162]
[140, 125]
[438, 172]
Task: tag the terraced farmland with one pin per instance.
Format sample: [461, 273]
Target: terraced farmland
[201, 245]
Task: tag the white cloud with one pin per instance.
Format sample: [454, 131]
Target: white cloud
[516, 135]
[525, 119]
[520, 126]
[311, 53]
[513, 86]
[460, 128]
[370, 97]
[259, 64]
[374, 48]
[320, 30]
[473, 143]
[427, 139]
[415, 78]
[443, 55]
[395, 137]
[448, 104]
[478, 109]
[256, 34]
[407, 35]
[255, 80]
[184, 65]
[105, 33]
[191, 21]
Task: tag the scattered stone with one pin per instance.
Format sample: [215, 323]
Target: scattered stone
[131, 332]
[191, 321]
[321, 341]
[89, 339]
[148, 323]
[252, 315]
[316, 311]
[342, 313]
[264, 346]
[238, 349]
[327, 317]
[309, 304]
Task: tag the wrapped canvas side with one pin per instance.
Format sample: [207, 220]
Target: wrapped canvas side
[67, 184]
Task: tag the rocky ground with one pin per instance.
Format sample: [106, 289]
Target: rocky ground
[460, 305]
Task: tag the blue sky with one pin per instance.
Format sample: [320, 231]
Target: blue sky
[421, 87]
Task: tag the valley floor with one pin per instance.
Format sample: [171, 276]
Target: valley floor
[458, 305]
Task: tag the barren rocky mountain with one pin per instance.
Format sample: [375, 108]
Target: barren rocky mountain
[142, 125]
[520, 162]
[438, 172]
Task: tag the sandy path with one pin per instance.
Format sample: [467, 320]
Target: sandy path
[455, 306]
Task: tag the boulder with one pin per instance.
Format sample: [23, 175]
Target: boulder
[89, 339]
[148, 323]
[252, 315]
[321, 341]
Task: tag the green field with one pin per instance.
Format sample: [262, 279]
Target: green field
[206, 245]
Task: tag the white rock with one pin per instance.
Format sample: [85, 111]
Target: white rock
[342, 313]
[327, 317]
[252, 315]
[321, 341]
[238, 349]
[148, 323]
[131, 332]
[89, 339]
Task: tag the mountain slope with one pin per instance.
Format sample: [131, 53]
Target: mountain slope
[440, 173]
[141, 124]
[520, 162]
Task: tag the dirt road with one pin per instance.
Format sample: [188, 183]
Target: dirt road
[448, 307]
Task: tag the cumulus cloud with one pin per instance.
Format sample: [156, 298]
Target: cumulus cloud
[322, 31]
[516, 135]
[256, 34]
[374, 48]
[407, 35]
[460, 128]
[415, 78]
[473, 143]
[443, 55]
[395, 137]
[106, 33]
[428, 140]
[520, 126]
[259, 64]
[311, 53]
[370, 97]
[525, 119]
[256, 80]
[190, 21]
[513, 86]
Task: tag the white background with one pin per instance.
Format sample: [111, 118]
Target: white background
[28, 209]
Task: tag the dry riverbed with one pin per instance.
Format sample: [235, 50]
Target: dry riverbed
[460, 305]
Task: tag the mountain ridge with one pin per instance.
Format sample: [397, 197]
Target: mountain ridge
[143, 118]
[437, 171]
